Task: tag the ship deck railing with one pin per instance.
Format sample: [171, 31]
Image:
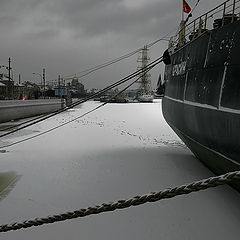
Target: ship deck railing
[223, 14]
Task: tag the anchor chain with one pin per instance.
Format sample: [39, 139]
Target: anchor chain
[137, 200]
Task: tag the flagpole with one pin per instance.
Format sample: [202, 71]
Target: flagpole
[182, 28]
[182, 12]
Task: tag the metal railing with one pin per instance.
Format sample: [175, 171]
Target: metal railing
[223, 14]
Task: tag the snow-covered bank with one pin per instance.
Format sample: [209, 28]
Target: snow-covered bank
[116, 152]
[17, 109]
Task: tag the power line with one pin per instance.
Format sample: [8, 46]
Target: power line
[88, 71]
[108, 63]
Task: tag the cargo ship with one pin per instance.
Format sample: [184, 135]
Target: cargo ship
[201, 102]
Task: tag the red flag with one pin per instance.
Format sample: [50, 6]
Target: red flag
[186, 7]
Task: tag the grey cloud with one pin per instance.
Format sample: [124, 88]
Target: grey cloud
[70, 35]
[101, 17]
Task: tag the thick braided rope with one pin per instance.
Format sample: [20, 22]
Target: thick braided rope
[138, 200]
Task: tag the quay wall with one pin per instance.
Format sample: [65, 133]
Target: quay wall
[17, 109]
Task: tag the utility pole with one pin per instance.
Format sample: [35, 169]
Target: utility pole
[19, 79]
[59, 79]
[9, 78]
[60, 91]
[44, 81]
[60, 87]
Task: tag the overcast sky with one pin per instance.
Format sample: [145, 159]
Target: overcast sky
[68, 36]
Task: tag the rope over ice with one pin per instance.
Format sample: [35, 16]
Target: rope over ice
[137, 200]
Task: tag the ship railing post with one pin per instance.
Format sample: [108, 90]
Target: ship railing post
[194, 26]
[205, 21]
[170, 42]
[233, 10]
[224, 10]
[182, 39]
[200, 26]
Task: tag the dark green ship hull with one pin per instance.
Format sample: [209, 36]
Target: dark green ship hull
[202, 97]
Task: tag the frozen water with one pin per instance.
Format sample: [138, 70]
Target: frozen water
[116, 152]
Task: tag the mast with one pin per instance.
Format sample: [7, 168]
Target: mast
[182, 10]
[145, 82]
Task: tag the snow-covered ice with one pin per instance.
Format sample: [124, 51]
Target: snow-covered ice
[116, 152]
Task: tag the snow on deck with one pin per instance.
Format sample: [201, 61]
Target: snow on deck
[116, 152]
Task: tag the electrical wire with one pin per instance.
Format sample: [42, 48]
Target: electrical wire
[88, 71]
[144, 71]
[108, 63]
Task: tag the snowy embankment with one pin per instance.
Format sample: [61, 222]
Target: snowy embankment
[16, 109]
[116, 152]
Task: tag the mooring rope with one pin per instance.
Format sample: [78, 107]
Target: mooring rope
[137, 200]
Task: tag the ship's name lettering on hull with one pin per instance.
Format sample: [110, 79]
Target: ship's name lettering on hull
[179, 69]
